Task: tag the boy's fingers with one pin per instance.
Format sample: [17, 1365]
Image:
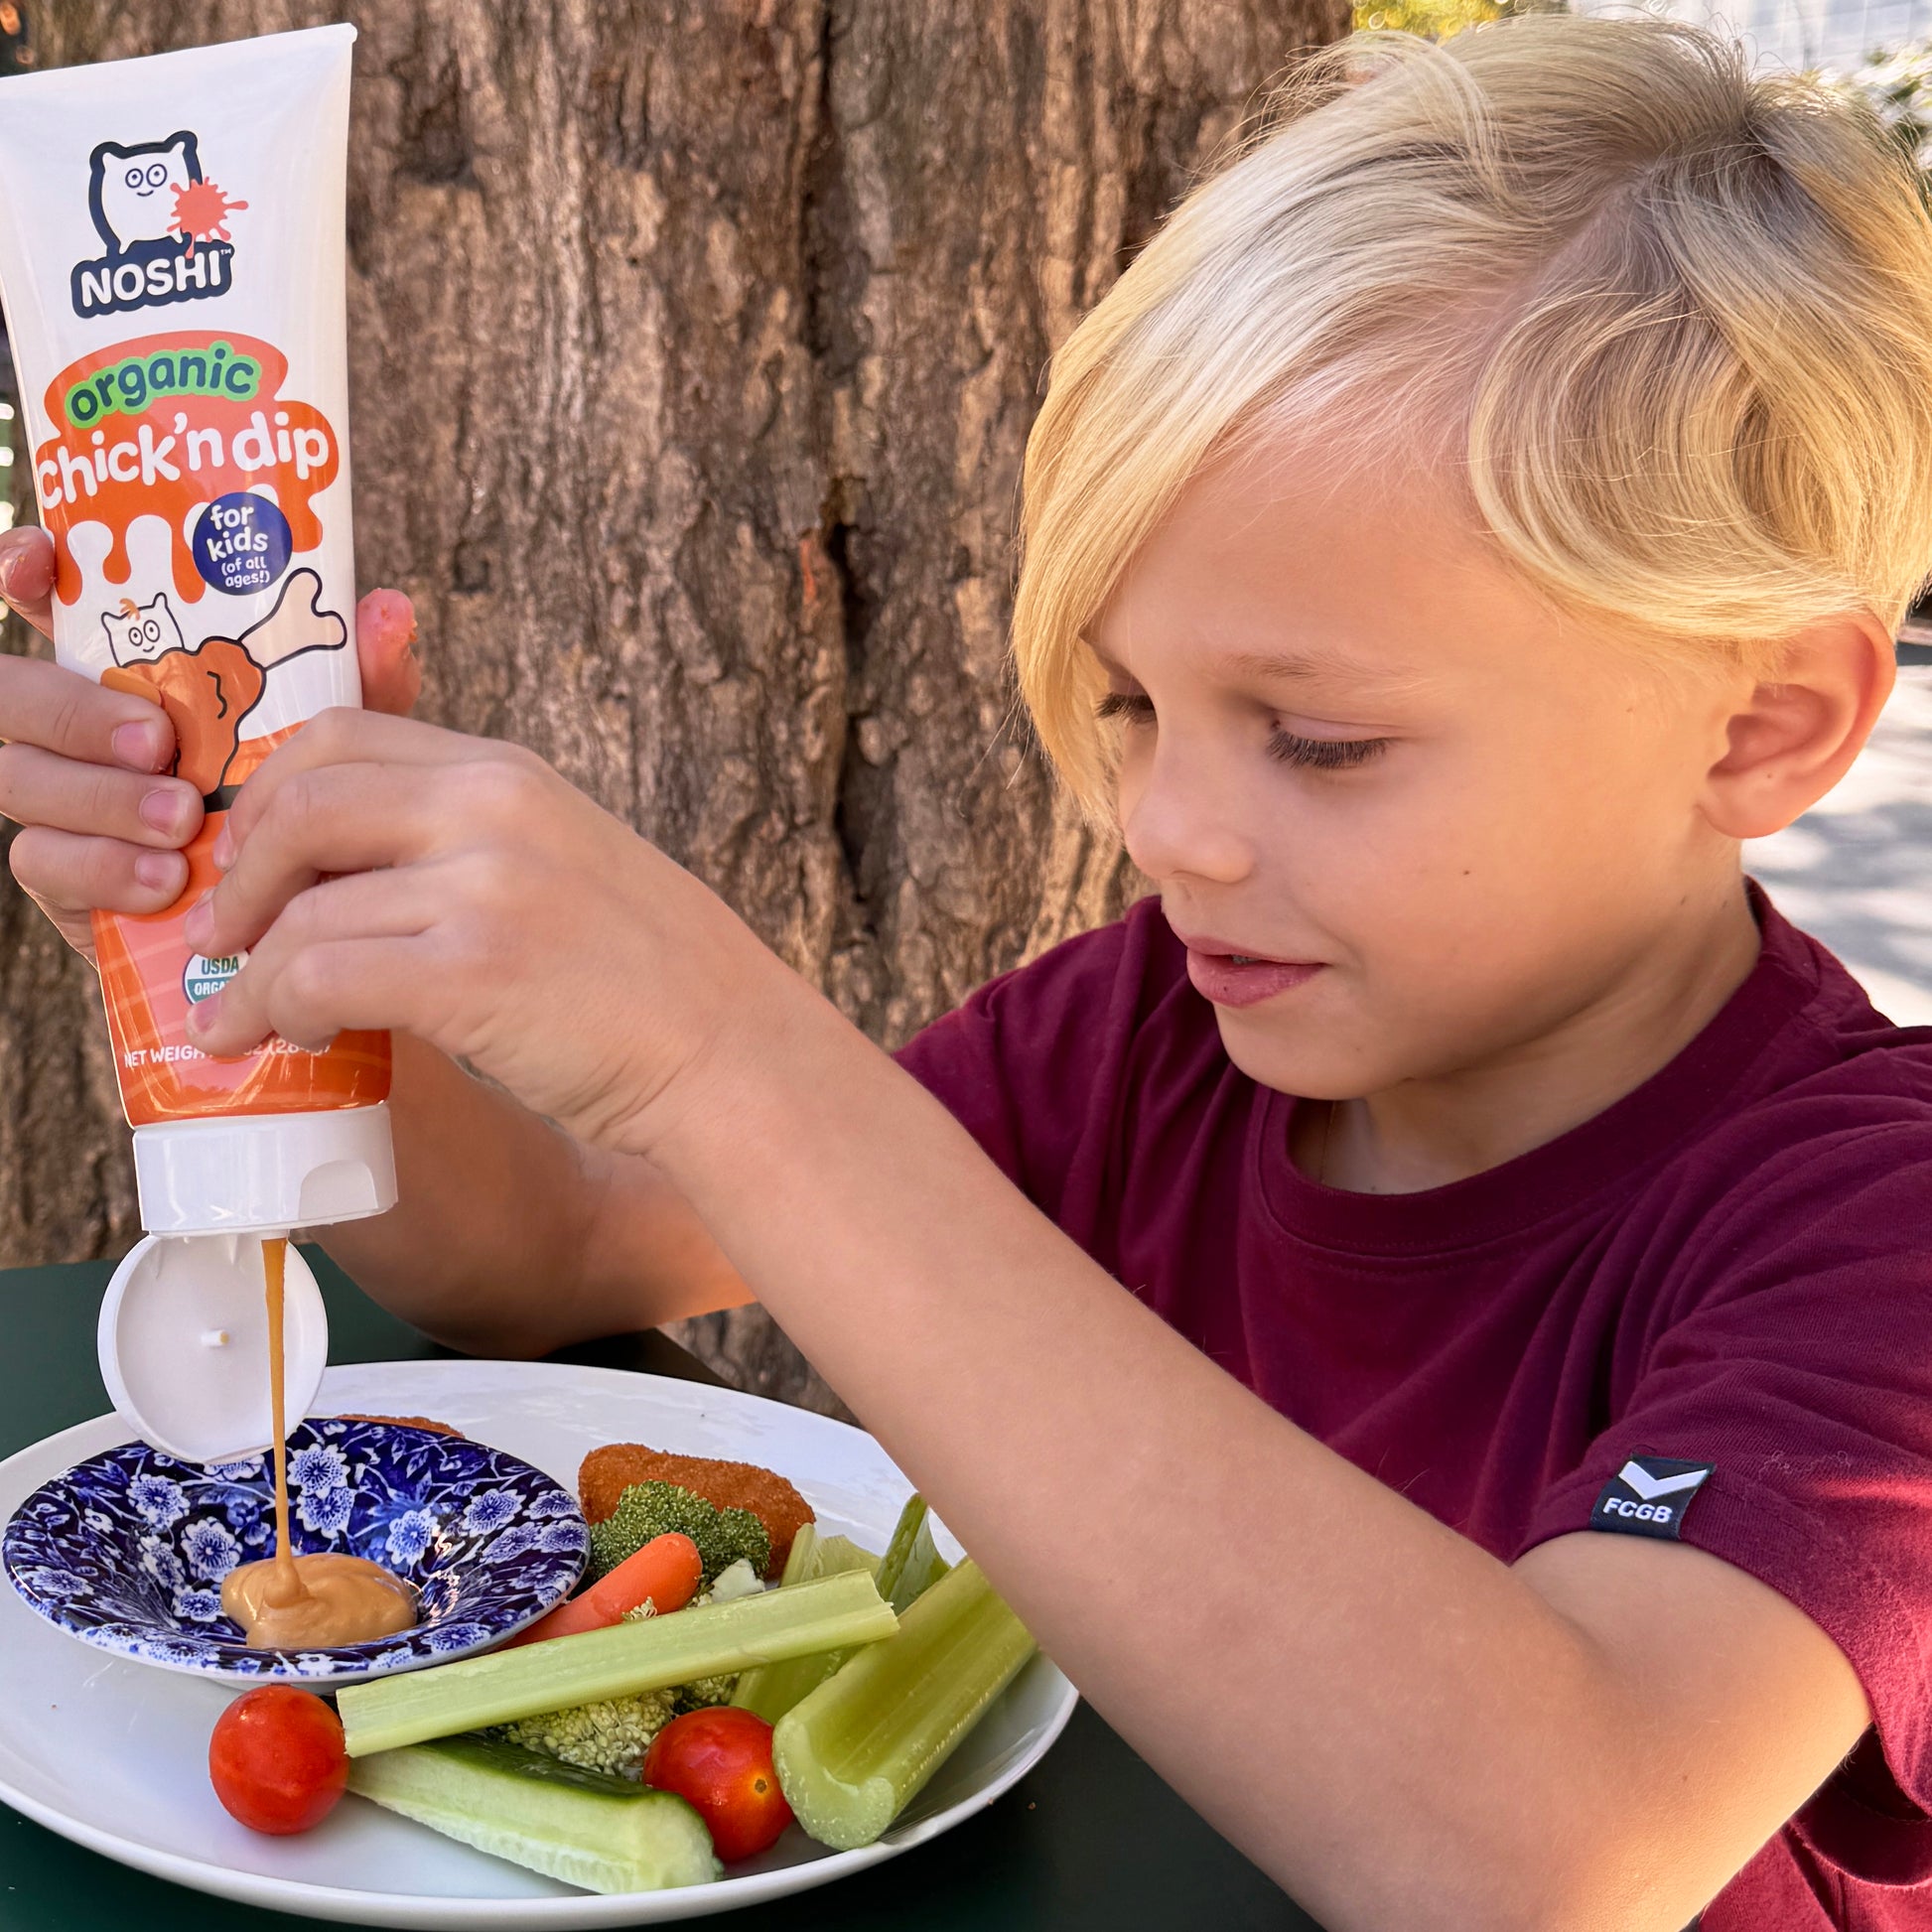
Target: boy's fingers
[71, 876]
[346, 736]
[27, 573]
[289, 986]
[345, 818]
[344, 983]
[385, 648]
[63, 712]
[337, 984]
[39, 788]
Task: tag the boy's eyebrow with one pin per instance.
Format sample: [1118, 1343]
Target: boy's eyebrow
[1253, 663]
[1286, 666]
[1313, 666]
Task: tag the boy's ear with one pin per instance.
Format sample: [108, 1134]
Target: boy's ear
[1790, 741]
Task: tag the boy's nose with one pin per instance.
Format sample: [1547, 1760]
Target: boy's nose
[1180, 821]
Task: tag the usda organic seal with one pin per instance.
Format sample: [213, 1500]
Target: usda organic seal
[205, 976]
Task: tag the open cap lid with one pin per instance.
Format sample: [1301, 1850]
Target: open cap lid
[184, 1344]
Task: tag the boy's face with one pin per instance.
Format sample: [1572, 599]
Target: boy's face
[1356, 743]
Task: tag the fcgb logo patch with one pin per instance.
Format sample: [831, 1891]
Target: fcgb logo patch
[1649, 1495]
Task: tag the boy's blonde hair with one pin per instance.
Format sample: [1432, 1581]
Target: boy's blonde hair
[1671, 322]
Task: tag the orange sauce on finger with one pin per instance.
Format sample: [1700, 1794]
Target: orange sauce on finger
[291, 1603]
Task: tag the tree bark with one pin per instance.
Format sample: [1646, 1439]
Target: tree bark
[693, 352]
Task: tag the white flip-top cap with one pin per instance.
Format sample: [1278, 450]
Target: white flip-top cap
[184, 1344]
[264, 1174]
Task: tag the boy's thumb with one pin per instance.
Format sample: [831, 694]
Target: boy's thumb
[385, 646]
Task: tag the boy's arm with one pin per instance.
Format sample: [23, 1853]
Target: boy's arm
[1401, 1729]
[1405, 1730]
[510, 1238]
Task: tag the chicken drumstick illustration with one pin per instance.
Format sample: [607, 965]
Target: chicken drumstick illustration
[210, 689]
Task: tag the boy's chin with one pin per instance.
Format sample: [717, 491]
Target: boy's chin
[1289, 1056]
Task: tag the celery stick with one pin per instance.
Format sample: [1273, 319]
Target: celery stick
[772, 1689]
[919, 1577]
[910, 1565]
[706, 1640]
[841, 1553]
[912, 1561]
[606, 1835]
[853, 1754]
[801, 1563]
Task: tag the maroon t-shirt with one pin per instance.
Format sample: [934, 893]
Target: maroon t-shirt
[1733, 1266]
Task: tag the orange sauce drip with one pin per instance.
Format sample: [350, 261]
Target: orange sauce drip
[353, 1600]
[286, 1587]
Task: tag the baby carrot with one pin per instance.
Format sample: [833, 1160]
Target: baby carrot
[566, 1620]
[668, 1571]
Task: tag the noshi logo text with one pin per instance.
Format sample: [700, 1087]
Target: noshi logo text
[164, 225]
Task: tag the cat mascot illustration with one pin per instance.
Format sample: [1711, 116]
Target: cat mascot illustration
[131, 194]
[208, 689]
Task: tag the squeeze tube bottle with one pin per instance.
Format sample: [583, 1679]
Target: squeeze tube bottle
[170, 263]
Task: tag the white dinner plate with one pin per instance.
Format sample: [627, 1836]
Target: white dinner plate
[113, 1754]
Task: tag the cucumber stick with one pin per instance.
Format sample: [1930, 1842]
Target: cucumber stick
[772, 1690]
[706, 1640]
[606, 1835]
[853, 1754]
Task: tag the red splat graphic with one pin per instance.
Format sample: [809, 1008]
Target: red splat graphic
[118, 500]
[202, 211]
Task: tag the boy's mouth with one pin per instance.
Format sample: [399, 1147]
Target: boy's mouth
[1231, 978]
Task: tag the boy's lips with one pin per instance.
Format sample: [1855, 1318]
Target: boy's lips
[1231, 977]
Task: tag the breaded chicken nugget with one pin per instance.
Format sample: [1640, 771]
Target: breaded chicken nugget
[607, 1473]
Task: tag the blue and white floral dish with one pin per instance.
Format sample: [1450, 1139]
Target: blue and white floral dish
[127, 1550]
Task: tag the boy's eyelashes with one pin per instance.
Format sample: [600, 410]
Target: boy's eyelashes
[1286, 746]
[1323, 754]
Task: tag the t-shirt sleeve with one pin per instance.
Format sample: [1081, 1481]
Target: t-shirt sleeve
[1794, 1354]
[1028, 1066]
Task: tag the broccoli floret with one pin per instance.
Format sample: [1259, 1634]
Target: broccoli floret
[610, 1735]
[704, 1692]
[649, 1509]
[736, 1579]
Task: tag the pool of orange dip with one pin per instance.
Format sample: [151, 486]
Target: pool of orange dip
[343, 1599]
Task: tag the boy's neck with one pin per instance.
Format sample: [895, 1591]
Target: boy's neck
[1429, 1132]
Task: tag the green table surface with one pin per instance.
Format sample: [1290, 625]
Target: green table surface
[1091, 1839]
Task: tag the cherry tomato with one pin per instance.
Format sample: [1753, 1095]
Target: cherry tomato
[276, 1759]
[721, 1760]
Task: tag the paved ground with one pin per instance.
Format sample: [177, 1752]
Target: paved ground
[1858, 871]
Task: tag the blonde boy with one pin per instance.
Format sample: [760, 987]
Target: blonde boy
[1429, 1321]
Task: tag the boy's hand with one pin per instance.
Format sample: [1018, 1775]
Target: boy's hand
[85, 771]
[382, 873]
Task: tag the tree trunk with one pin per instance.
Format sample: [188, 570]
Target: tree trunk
[694, 348]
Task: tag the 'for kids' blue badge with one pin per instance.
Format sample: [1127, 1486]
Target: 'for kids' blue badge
[243, 543]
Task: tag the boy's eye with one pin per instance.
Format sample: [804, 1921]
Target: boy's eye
[1309, 754]
[1323, 754]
